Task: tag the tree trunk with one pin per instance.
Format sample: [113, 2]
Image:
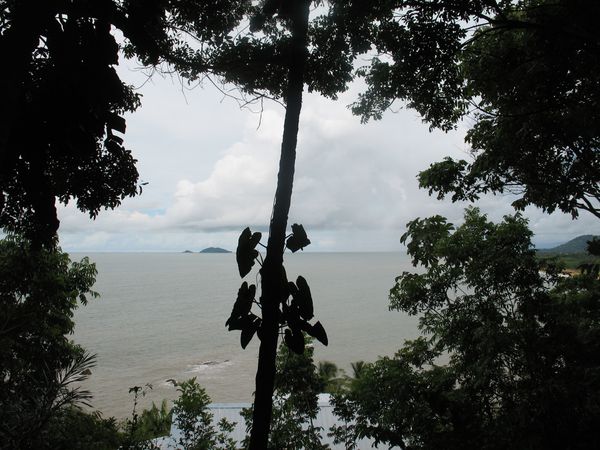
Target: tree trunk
[271, 272]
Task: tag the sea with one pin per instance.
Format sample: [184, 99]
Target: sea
[161, 317]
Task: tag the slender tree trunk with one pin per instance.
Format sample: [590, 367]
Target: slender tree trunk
[271, 272]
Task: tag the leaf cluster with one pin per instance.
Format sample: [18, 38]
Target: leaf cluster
[529, 70]
[296, 304]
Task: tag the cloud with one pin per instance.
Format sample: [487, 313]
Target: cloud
[355, 185]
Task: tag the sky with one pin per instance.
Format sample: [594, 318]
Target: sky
[211, 170]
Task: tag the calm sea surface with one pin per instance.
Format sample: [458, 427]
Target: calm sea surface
[162, 316]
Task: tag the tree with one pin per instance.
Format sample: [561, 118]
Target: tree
[536, 131]
[521, 347]
[328, 374]
[295, 401]
[523, 72]
[62, 116]
[38, 363]
[61, 47]
[64, 103]
[282, 54]
[193, 419]
[74, 429]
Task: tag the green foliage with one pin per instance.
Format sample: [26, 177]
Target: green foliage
[358, 369]
[416, 44]
[530, 69]
[191, 415]
[509, 356]
[40, 368]
[58, 50]
[579, 254]
[156, 422]
[524, 72]
[73, 429]
[295, 401]
[192, 418]
[152, 423]
[328, 375]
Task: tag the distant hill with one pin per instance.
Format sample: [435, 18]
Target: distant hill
[577, 245]
[214, 250]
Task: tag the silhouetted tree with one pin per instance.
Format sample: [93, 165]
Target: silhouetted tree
[61, 115]
[61, 122]
[524, 72]
[61, 128]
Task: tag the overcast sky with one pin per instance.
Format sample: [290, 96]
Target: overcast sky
[211, 171]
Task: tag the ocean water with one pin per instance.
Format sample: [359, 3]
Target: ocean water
[162, 316]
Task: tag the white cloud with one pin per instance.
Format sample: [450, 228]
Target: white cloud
[355, 185]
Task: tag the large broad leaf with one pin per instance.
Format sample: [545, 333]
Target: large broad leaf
[291, 316]
[294, 340]
[302, 298]
[298, 240]
[246, 253]
[318, 332]
[242, 305]
[248, 331]
[239, 323]
[116, 122]
[284, 290]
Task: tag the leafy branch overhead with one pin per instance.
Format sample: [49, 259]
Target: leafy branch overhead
[296, 303]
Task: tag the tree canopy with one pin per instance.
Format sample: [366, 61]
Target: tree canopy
[531, 76]
[522, 74]
[508, 357]
[62, 115]
[62, 125]
[38, 363]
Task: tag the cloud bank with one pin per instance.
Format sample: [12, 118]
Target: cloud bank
[212, 171]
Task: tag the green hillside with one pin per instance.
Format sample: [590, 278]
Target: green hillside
[572, 253]
[576, 245]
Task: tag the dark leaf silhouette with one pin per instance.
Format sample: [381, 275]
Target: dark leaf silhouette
[285, 285]
[248, 331]
[116, 122]
[242, 305]
[291, 317]
[593, 247]
[294, 340]
[298, 240]
[318, 332]
[246, 253]
[302, 298]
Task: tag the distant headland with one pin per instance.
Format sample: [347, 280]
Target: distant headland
[210, 250]
[214, 250]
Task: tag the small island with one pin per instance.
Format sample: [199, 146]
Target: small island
[214, 250]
